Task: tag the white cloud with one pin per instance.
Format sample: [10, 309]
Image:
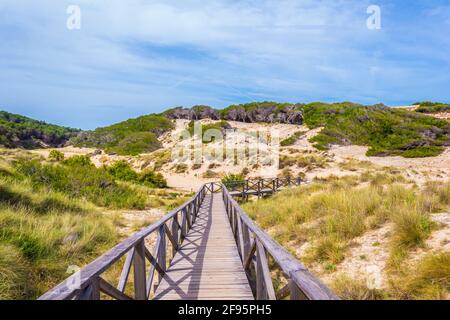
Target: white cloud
[154, 54]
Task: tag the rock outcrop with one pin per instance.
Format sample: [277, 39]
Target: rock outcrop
[287, 114]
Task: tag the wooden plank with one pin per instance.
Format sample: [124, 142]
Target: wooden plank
[264, 285]
[140, 292]
[207, 264]
[125, 271]
[66, 291]
[108, 289]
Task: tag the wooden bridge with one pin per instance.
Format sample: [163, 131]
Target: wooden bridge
[206, 249]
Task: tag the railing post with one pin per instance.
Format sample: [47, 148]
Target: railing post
[162, 252]
[175, 232]
[140, 291]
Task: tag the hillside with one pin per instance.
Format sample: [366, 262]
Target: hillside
[131, 137]
[432, 107]
[17, 131]
[386, 131]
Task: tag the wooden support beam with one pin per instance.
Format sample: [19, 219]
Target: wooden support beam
[140, 292]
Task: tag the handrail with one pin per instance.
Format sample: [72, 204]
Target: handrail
[260, 187]
[87, 283]
[254, 244]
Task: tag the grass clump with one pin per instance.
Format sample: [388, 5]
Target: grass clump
[292, 139]
[309, 162]
[231, 177]
[331, 213]
[355, 289]
[56, 155]
[429, 279]
[42, 233]
[13, 273]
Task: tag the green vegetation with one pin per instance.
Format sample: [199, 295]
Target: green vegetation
[54, 214]
[432, 107]
[331, 213]
[230, 178]
[254, 106]
[292, 139]
[220, 126]
[386, 131]
[78, 177]
[56, 155]
[430, 279]
[355, 289]
[130, 137]
[309, 161]
[43, 231]
[17, 131]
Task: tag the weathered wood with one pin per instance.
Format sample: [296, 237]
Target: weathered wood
[207, 265]
[283, 292]
[175, 231]
[65, 290]
[217, 258]
[125, 271]
[108, 289]
[264, 285]
[140, 292]
[171, 238]
[288, 264]
[162, 253]
[250, 255]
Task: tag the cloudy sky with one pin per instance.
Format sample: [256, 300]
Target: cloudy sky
[137, 57]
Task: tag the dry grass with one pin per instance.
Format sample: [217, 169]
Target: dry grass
[332, 212]
[429, 279]
[355, 289]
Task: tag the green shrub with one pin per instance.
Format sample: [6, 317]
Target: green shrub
[152, 179]
[432, 107]
[56, 155]
[423, 152]
[79, 161]
[229, 178]
[79, 178]
[387, 131]
[122, 170]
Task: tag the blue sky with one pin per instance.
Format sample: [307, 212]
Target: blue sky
[137, 57]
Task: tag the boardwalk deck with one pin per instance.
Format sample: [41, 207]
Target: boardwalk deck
[204, 238]
[208, 265]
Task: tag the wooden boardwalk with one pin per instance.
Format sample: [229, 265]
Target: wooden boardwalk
[208, 248]
[208, 265]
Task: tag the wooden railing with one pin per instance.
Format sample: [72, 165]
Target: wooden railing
[260, 187]
[89, 283]
[255, 247]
